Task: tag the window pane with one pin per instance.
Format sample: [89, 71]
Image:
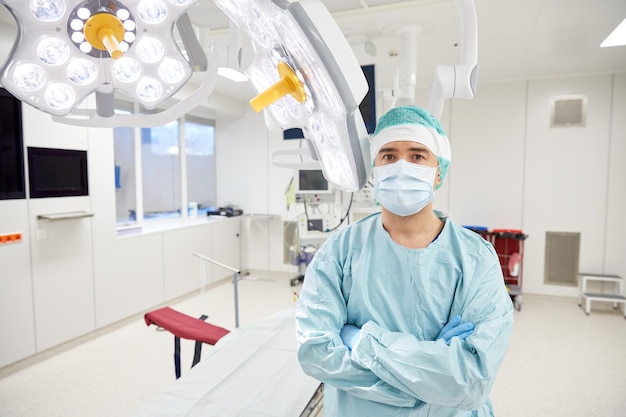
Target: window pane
[163, 140]
[160, 159]
[200, 138]
[125, 185]
[201, 168]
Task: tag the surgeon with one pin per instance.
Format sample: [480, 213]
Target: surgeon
[405, 313]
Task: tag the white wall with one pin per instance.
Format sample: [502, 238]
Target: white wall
[248, 179]
[566, 185]
[487, 136]
[615, 227]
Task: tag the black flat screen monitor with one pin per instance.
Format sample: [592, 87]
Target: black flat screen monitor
[311, 181]
[57, 172]
[12, 183]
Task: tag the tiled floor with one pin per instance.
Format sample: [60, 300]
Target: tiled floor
[560, 363]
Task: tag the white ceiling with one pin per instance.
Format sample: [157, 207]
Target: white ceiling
[516, 39]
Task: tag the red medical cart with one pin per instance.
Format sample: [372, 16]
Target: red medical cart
[509, 245]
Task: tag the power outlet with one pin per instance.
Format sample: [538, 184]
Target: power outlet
[42, 234]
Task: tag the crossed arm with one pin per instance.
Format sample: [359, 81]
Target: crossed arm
[457, 369]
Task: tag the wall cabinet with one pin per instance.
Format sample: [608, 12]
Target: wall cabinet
[62, 272]
[181, 268]
[17, 325]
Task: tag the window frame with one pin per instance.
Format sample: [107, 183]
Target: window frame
[140, 224]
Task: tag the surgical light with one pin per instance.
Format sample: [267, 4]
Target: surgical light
[67, 50]
[308, 77]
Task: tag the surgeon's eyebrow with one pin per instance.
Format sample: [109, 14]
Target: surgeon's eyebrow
[419, 149]
[411, 149]
[389, 149]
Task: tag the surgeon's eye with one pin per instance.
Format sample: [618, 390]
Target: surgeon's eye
[419, 158]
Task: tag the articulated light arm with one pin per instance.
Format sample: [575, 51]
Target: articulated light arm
[458, 81]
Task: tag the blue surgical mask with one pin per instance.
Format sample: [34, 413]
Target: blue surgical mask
[404, 188]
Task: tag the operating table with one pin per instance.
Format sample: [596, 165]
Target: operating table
[251, 372]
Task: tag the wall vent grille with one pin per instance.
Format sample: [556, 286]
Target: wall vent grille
[568, 111]
[562, 254]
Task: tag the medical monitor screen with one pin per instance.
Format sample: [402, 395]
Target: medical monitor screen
[312, 181]
[57, 172]
[12, 183]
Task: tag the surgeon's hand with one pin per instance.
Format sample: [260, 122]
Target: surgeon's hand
[349, 334]
[455, 328]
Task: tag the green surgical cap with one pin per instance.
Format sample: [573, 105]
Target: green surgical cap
[413, 124]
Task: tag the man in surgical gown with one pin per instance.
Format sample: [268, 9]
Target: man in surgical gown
[405, 313]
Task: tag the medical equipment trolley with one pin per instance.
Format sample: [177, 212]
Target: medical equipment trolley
[509, 245]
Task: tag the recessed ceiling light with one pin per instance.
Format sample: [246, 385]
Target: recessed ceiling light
[232, 74]
[617, 37]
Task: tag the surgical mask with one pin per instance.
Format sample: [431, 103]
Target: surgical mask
[404, 188]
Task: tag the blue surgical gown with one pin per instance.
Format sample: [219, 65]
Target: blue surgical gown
[401, 298]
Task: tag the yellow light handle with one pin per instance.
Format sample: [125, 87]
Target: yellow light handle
[105, 31]
[272, 94]
[288, 84]
[107, 36]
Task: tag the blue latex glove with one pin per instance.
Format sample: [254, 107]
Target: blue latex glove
[349, 334]
[455, 328]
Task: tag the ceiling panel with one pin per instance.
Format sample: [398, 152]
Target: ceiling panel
[342, 5]
[413, 3]
[506, 18]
